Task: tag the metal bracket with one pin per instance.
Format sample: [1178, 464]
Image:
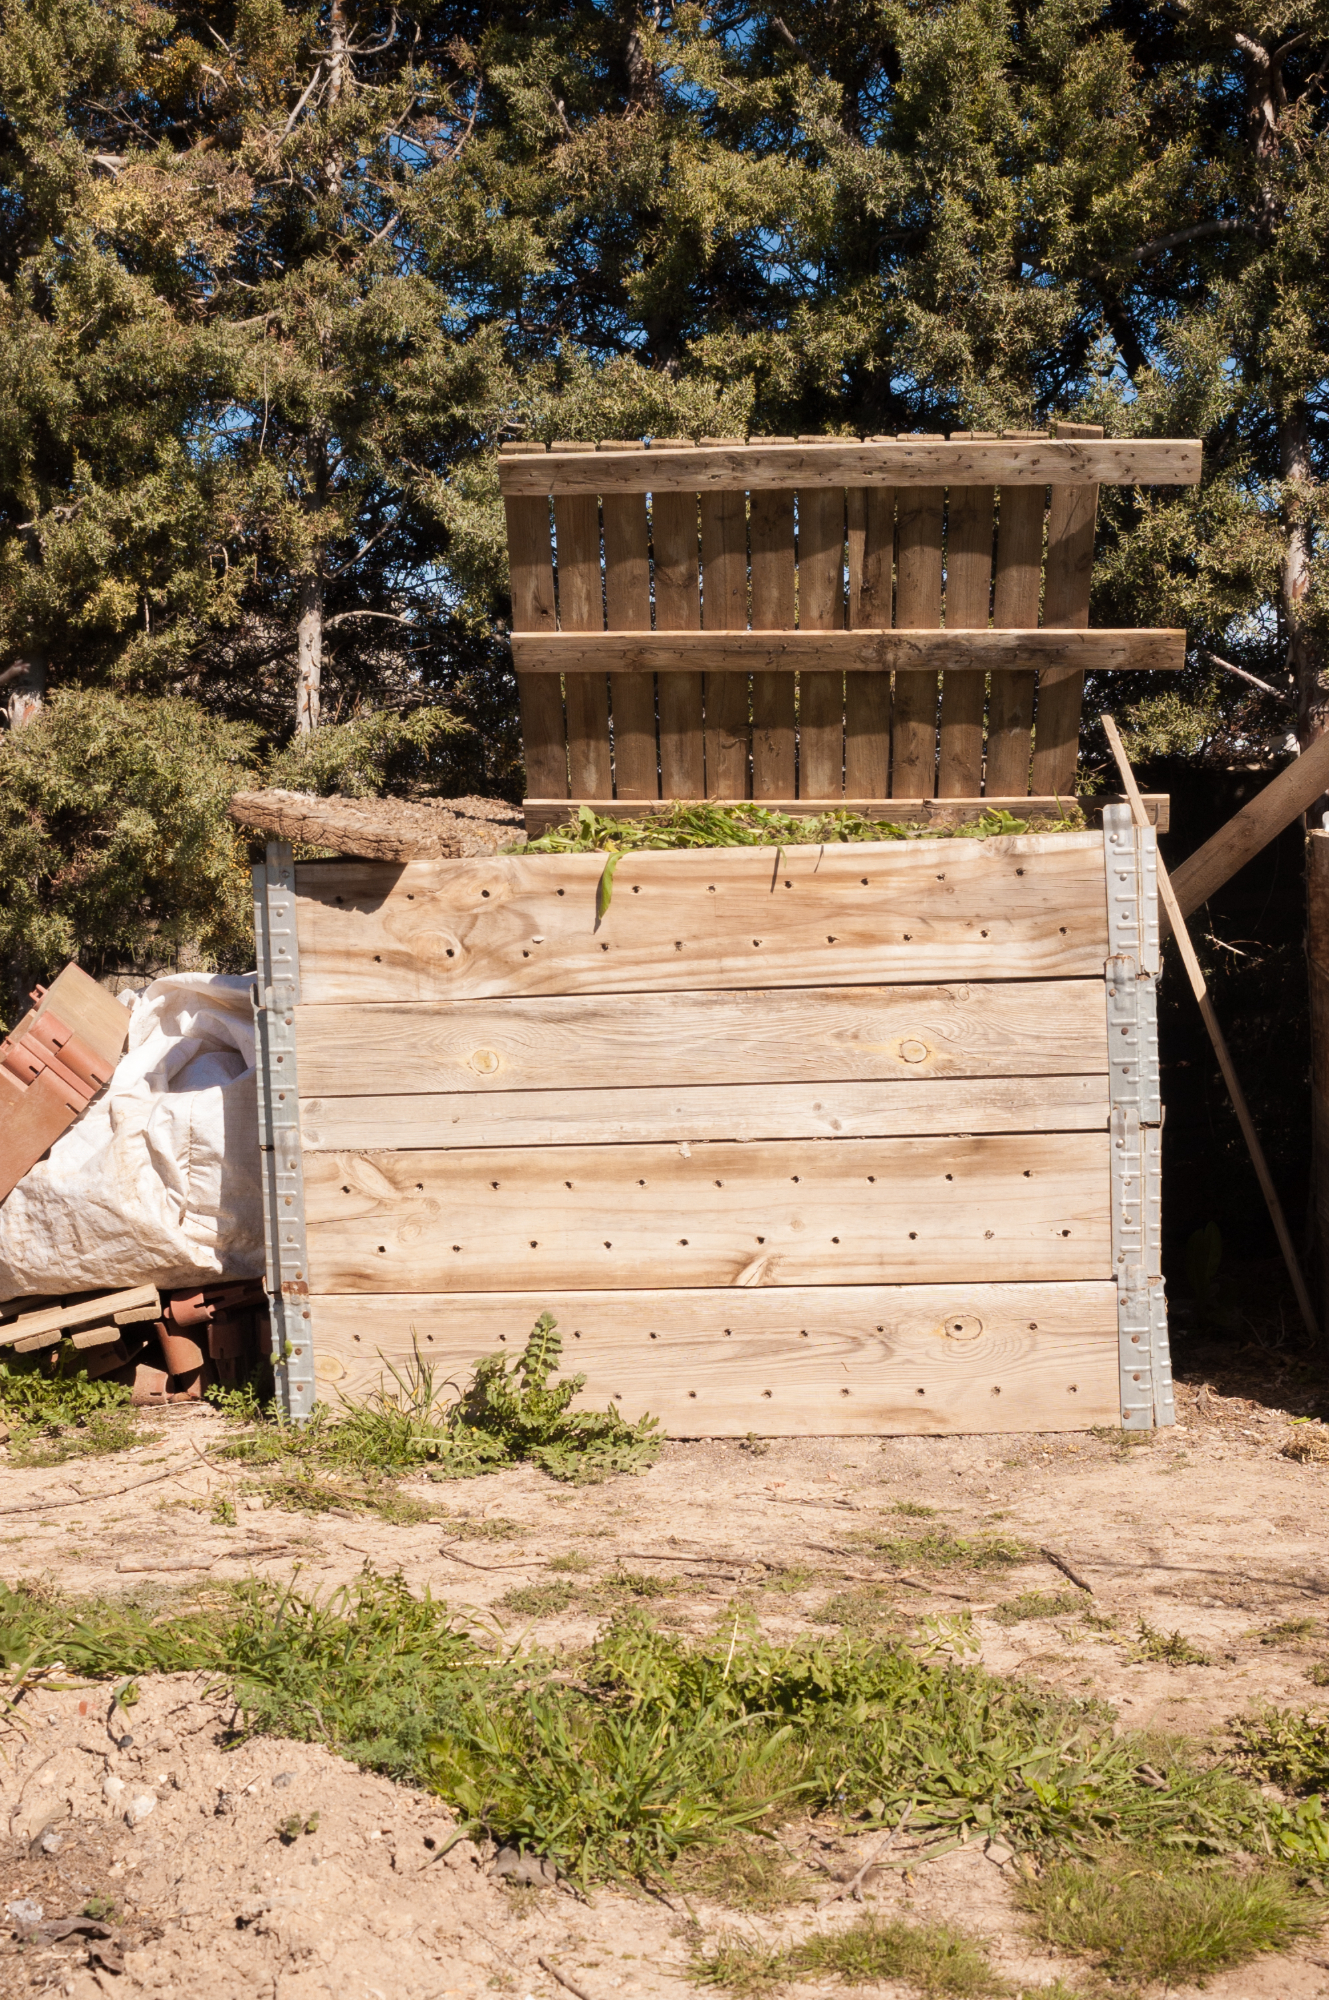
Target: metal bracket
[275, 996]
[1135, 1120]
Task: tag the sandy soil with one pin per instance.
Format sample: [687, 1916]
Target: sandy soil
[1209, 1530]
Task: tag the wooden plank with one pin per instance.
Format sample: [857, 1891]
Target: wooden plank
[702, 1113]
[530, 564]
[581, 610]
[771, 531]
[674, 550]
[1015, 595]
[724, 584]
[544, 814]
[969, 533]
[910, 1360]
[1293, 791]
[821, 530]
[628, 609]
[1019, 650]
[1032, 1206]
[1024, 907]
[90, 1312]
[867, 698]
[917, 606]
[665, 468]
[1070, 563]
[1014, 1028]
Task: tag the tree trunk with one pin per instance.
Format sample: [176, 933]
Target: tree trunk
[308, 654]
[25, 686]
[1304, 652]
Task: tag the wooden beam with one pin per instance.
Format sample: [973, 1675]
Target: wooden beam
[808, 1035]
[702, 1113]
[1028, 1207]
[58, 1320]
[949, 650]
[1027, 907]
[912, 1360]
[845, 462]
[1195, 974]
[1268, 814]
[543, 815]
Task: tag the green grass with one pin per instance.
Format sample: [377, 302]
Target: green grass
[1038, 1604]
[1168, 1649]
[748, 1873]
[748, 825]
[1142, 1917]
[1285, 1746]
[54, 1413]
[942, 1549]
[1287, 1632]
[605, 1594]
[863, 1610]
[512, 1411]
[915, 1510]
[936, 1960]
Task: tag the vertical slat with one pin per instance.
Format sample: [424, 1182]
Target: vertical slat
[1070, 563]
[917, 604]
[581, 609]
[820, 609]
[628, 609]
[544, 742]
[771, 531]
[1014, 603]
[678, 609]
[724, 608]
[969, 522]
[867, 697]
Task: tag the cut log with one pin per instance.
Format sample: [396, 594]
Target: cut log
[383, 829]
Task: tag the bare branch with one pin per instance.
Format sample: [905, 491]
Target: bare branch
[1242, 674]
[1232, 225]
[289, 126]
[392, 617]
[785, 34]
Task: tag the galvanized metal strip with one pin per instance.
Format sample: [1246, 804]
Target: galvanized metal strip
[275, 993]
[1132, 1020]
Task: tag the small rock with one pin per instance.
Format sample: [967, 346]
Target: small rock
[140, 1806]
[48, 1841]
[24, 1911]
[112, 1788]
[513, 1865]
[282, 1779]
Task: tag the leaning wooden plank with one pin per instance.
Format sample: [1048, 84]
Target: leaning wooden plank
[821, 533]
[917, 1360]
[1013, 1028]
[542, 815]
[835, 652]
[1015, 594]
[1063, 462]
[675, 550]
[1070, 562]
[581, 611]
[701, 1113]
[771, 530]
[544, 739]
[1293, 791]
[859, 1212]
[91, 1312]
[628, 609]
[969, 536]
[917, 606]
[1024, 907]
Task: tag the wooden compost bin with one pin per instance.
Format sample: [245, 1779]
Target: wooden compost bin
[853, 1138]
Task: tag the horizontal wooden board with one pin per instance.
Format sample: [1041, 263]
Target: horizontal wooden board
[913, 1360]
[851, 1212]
[984, 651]
[705, 1112]
[840, 462]
[1015, 1028]
[543, 814]
[1023, 907]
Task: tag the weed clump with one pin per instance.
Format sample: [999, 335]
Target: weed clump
[1038, 1604]
[1285, 1746]
[510, 1412]
[1147, 1917]
[1169, 1649]
[935, 1959]
[54, 1412]
[940, 1548]
[711, 824]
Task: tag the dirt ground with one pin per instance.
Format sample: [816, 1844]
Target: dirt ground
[1208, 1530]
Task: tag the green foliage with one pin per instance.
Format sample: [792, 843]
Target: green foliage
[55, 1413]
[935, 1959]
[712, 824]
[1169, 1649]
[522, 1409]
[371, 754]
[508, 1414]
[1039, 1604]
[941, 1548]
[1286, 1746]
[114, 842]
[1146, 1917]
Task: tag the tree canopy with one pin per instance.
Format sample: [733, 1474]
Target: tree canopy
[275, 281]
